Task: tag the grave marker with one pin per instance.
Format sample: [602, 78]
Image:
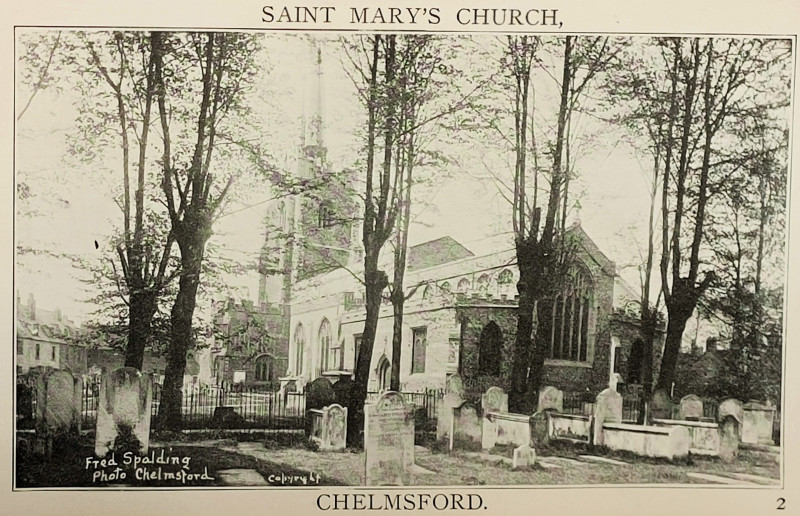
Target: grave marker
[388, 440]
[334, 428]
[607, 409]
[524, 457]
[690, 408]
[494, 400]
[319, 394]
[444, 415]
[551, 398]
[465, 427]
[123, 410]
[729, 437]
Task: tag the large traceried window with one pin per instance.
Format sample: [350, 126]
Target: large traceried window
[299, 349]
[568, 325]
[265, 370]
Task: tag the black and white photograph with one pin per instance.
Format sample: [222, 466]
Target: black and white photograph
[507, 255]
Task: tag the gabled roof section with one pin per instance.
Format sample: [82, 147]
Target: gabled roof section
[576, 231]
[436, 252]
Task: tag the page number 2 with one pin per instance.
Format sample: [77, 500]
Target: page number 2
[781, 504]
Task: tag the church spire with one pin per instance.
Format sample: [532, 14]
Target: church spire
[313, 134]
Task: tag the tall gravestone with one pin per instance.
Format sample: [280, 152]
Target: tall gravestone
[453, 397]
[465, 427]
[551, 398]
[58, 407]
[388, 441]
[729, 437]
[733, 408]
[540, 431]
[607, 409]
[758, 422]
[334, 428]
[319, 394]
[123, 411]
[690, 408]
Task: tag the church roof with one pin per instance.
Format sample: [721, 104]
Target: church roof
[436, 252]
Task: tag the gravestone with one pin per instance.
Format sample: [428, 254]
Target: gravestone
[661, 407]
[123, 411]
[388, 441]
[343, 391]
[540, 431]
[607, 409]
[319, 394]
[690, 408]
[58, 401]
[758, 423]
[494, 400]
[524, 457]
[551, 398]
[454, 385]
[731, 407]
[729, 437]
[334, 428]
[444, 414]
[465, 427]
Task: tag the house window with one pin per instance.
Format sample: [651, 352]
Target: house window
[326, 215]
[299, 349]
[419, 343]
[568, 325]
[264, 368]
[325, 344]
[490, 350]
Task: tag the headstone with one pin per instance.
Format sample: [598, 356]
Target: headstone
[758, 423]
[729, 437]
[343, 391]
[123, 411]
[551, 398]
[444, 414]
[540, 431]
[661, 408]
[524, 457]
[731, 407]
[465, 427]
[334, 428]
[58, 403]
[388, 440]
[607, 409]
[690, 408]
[319, 394]
[454, 385]
[494, 400]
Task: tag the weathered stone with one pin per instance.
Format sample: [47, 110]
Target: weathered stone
[731, 407]
[540, 434]
[494, 400]
[524, 457]
[123, 411]
[670, 442]
[334, 428]
[607, 409]
[512, 429]
[344, 392]
[388, 441]
[58, 404]
[465, 427]
[319, 394]
[454, 385]
[690, 408]
[444, 415]
[704, 437]
[573, 427]
[551, 398]
[758, 423]
[729, 437]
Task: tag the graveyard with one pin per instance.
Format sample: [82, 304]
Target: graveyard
[476, 442]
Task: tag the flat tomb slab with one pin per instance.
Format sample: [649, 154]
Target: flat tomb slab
[670, 442]
[241, 477]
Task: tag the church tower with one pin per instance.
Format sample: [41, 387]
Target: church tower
[311, 232]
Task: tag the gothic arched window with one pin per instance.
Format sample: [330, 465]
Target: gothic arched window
[328, 355]
[463, 286]
[299, 349]
[265, 370]
[569, 324]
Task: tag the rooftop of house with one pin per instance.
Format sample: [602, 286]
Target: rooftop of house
[35, 323]
[436, 252]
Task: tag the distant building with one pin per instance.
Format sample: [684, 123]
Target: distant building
[45, 338]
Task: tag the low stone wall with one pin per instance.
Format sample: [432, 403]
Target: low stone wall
[670, 442]
[571, 427]
[704, 438]
[505, 428]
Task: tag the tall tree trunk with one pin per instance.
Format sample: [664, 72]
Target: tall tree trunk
[524, 343]
[143, 304]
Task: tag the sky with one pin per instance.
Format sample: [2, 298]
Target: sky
[72, 207]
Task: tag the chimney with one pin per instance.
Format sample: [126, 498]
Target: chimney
[32, 307]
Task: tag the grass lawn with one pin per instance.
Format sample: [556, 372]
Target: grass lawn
[277, 461]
